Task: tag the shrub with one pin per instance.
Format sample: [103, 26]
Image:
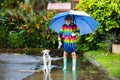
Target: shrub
[15, 40]
[107, 13]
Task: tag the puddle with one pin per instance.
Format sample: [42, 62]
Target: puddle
[27, 67]
[19, 66]
[11, 64]
[85, 71]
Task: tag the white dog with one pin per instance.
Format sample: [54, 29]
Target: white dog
[46, 60]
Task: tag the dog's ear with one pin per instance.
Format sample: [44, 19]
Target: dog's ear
[49, 50]
[42, 51]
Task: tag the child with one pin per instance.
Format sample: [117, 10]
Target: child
[69, 32]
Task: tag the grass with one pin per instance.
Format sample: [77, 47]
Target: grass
[110, 61]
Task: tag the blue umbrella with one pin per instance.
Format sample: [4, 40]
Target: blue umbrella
[85, 23]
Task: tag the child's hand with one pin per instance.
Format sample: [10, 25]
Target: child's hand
[60, 44]
[73, 34]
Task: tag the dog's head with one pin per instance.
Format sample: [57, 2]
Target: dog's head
[45, 52]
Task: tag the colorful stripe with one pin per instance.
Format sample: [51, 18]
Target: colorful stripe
[66, 31]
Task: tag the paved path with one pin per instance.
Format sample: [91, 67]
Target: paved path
[27, 67]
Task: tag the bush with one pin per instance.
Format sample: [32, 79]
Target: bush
[3, 39]
[15, 40]
[108, 18]
[29, 26]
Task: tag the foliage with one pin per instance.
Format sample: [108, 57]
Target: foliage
[10, 4]
[31, 29]
[15, 40]
[108, 61]
[3, 39]
[108, 16]
[108, 42]
[107, 13]
[82, 44]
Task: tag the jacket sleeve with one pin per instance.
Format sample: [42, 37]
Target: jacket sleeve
[60, 34]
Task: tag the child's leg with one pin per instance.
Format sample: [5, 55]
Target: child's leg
[65, 55]
[73, 56]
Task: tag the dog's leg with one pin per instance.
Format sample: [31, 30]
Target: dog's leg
[49, 65]
[45, 64]
[47, 68]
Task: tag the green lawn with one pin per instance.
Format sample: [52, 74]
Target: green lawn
[110, 61]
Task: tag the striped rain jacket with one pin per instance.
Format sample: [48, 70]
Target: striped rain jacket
[66, 31]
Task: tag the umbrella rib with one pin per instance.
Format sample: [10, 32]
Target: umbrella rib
[86, 22]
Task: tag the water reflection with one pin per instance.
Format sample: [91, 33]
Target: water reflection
[67, 76]
[47, 76]
[73, 75]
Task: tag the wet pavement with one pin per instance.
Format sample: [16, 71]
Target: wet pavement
[27, 67]
[85, 71]
[12, 64]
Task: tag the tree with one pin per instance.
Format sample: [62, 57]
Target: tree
[107, 13]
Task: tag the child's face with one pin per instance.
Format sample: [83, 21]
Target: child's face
[67, 22]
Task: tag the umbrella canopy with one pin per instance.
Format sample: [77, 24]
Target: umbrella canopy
[85, 23]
